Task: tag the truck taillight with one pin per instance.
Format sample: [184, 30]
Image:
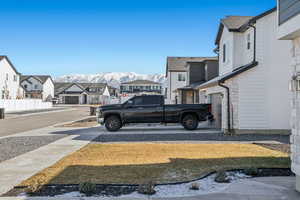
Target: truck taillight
[209, 108]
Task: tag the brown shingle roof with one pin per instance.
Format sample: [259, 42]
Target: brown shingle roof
[179, 63]
[235, 22]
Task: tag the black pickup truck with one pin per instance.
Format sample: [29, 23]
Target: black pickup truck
[152, 109]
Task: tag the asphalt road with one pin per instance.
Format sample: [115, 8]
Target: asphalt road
[36, 121]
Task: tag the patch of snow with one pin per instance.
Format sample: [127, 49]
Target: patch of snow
[111, 78]
[206, 186]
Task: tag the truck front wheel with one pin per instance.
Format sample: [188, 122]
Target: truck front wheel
[113, 123]
[190, 122]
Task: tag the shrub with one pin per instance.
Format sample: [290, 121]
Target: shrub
[194, 186]
[147, 188]
[87, 188]
[221, 177]
[251, 171]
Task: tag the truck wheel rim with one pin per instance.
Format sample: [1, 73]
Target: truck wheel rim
[114, 124]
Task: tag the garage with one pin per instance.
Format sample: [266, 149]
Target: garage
[216, 101]
[71, 99]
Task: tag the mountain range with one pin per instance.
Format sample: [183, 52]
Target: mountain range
[111, 78]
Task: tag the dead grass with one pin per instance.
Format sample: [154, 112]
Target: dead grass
[140, 162]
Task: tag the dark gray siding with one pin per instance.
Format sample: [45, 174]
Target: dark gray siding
[212, 69]
[196, 72]
[288, 9]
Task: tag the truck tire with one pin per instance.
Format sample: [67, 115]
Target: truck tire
[113, 123]
[190, 122]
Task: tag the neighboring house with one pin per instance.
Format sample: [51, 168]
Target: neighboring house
[9, 80]
[38, 87]
[250, 94]
[176, 75]
[197, 74]
[141, 87]
[84, 93]
[289, 29]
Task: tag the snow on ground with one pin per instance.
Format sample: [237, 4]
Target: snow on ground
[206, 185]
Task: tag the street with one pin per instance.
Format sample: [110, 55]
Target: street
[40, 120]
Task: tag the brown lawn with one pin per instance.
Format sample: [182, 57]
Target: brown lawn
[141, 162]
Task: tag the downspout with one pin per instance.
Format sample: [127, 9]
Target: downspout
[220, 83]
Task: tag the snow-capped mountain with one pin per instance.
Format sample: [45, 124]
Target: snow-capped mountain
[111, 78]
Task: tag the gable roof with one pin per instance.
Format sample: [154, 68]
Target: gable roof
[232, 23]
[179, 63]
[59, 87]
[40, 78]
[10, 63]
[239, 23]
[141, 82]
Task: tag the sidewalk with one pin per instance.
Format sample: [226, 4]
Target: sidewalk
[20, 168]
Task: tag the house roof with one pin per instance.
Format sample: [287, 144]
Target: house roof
[192, 86]
[232, 23]
[41, 78]
[221, 79]
[59, 87]
[179, 63]
[10, 63]
[145, 82]
[239, 23]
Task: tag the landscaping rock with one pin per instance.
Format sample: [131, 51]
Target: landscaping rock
[87, 188]
[221, 177]
[194, 186]
[147, 189]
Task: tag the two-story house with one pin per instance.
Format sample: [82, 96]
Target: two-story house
[38, 87]
[251, 90]
[289, 29]
[141, 87]
[9, 80]
[197, 74]
[176, 76]
[84, 93]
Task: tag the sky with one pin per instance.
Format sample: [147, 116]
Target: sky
[60, 37]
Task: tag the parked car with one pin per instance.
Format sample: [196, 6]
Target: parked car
[152, 109]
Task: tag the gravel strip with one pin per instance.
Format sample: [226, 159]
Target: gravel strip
[136, 136]
[15, 146]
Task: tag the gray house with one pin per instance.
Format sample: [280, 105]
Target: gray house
[197, 73]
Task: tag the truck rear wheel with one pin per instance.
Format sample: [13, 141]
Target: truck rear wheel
[190, 122]
[113, 123]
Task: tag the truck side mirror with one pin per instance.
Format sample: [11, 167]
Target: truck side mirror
[129, 103]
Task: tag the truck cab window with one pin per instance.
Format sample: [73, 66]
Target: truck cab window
[138, 101]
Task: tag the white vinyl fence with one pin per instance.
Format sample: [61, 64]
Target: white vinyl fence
[23, 104]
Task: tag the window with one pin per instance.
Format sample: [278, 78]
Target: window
[15, 78]
[25, 86]
[138, 101]
[248, 41]
[152, 100]
[224, 53]
[35, 87]
[7, 77]
[181, 77]
[3, 94]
